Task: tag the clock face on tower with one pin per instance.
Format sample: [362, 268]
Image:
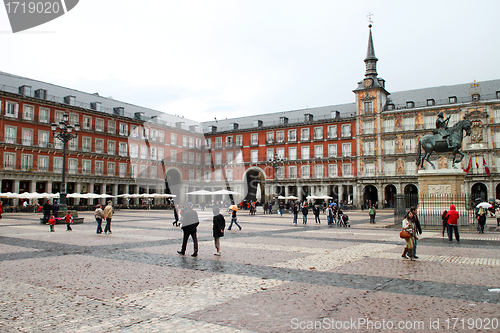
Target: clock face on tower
[368, 83]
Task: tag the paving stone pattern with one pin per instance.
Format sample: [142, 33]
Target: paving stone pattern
[272, 276]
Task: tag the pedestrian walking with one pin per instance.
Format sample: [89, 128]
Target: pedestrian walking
[218, 229]
[409, 227]
[481, 220]
[69, 220]
[329, 212]
[99, 215]
[281, 207]
[52, 222]
[55, 209]
[444, 218]
[453, 217]
[1, 209]
[270, 208]
[305, 211]
[295, 210]
[232, 212]
[418, 230]
[47, 207]
[189, 223]
[497, 215]
[371, 213]
[316, 213]
[176, 217]
[108, 215]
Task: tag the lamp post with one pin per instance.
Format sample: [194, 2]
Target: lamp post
[275, 163]
[63, 131]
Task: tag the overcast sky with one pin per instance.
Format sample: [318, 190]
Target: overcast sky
[206, 59]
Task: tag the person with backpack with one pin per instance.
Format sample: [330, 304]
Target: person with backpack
[371, 212]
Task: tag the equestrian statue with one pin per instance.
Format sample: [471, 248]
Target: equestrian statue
[443, 140]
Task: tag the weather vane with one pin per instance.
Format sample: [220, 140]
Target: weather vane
[370, 19]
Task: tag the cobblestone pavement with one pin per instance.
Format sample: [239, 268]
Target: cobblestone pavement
[272, 276]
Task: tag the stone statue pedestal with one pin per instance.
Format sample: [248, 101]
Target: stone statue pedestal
[441, 182]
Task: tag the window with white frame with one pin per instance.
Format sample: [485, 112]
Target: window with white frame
[10, 134]
[389, 147]
[58, 116]
[496, 116]
[123, 170]
[134, 150]
[143, 171]
[28, 112]
[368, 127]
[207, 175]
[305, 171]
[229, 175]
[122, 149]
[496, 139]
[280, 172]
[269, 137]
[185, 142]
[318, 151]
[87, 123]
[26, 162]
[254, 139]
[144, 152]
[239, 140]
[123, 129]
[280, 136]
[270, 154]
[429, 122]
[11, 109]
[368, 107]
[346, 131]
[99, 125]
[111, 169]
[9, 161]
[332, 150]
[304, 134]
[280, 152]
[191, 174]
[229, 157]
[43, 139]
[133, 170]
[161, 154]
[369, 148]
[292, 153]
[198, 158]
[208, 143]
[218, 158]
[346, 170]
[292, 135]
[410, 168]
[99, 167]
[74, 118]
[208, 159]
[134, 131]
[86, 167]
[239, 157]
[154, 134]
[346, 149]
[111, 147]
[332, 170]
[229, 141]
[173, 139]
[73, 143]
[409, 123]
[153, 153]
[332, 132]
[198, 175]
[161, 137]
[191, 158]
[409, 145]
[254, 156]
[173, 156]
[318, 171]
[184, 157]
[292, 171]
[86, 144]
[43, 163]
[144, 133]
[390, 168]
[72, 166]
[304, 153]
[454, 118]
[388, 125]
[370, 169]
[218, 175]
[44, 115]
[318, 133]
[27, 136]
[58, 143]
[153, 172]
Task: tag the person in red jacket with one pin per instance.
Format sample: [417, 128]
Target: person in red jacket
[52, 221]
[69, 220]
[453, 216]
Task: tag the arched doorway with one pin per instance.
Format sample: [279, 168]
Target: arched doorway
[479, 191]
[390, 192]
[370, 195]
[254, 181]
[497, 192]
[173, 181]
[411, 195]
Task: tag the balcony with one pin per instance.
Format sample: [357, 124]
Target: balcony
[254, 143]
[269, 141]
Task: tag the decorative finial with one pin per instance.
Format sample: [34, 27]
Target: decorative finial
[370, 22]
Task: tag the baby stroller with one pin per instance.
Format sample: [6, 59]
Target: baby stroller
[345, 221]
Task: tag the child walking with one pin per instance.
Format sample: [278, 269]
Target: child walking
[69, 220]
[52, 221]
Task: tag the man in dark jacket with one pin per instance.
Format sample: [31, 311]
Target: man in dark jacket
[218, 229]
[189, 224]
[305, 210]
[316, 213]
[47, 207]
[418, 231]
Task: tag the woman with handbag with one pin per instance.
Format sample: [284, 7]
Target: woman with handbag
[407, 234]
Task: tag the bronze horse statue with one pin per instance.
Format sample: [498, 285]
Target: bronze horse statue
[435, 143]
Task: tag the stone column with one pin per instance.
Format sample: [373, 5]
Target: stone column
[103, 191]
[15, 202]
[115, 193]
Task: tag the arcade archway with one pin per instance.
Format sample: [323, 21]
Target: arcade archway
[370, 195]
[479, 191]
[173, 181]
[390, 192]
[254, 183]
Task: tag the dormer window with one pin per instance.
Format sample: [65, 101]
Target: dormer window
[25, 90]
[233, 126]
[391, 106]
[70, 100]
[475, 97]
[283, 120]
[41, 93]
[95, 106]
[212, 129]
[410, 104]
[119, 111]
[431, 102]
[308, 117]
[452, 99]
[498, 94]
[335, 114]
[257, 123]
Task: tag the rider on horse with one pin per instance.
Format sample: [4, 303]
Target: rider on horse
[442, 128]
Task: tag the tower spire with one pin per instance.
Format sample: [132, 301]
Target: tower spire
[371, 59]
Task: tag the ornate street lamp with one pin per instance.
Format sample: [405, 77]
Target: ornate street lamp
[275, 163]
[63, 131]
